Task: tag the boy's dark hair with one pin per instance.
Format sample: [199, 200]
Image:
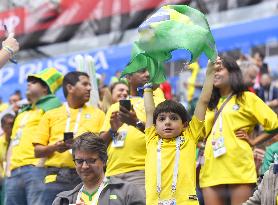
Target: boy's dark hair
[236, 81]
[171, 106]
[90, 142]
[5, 117]
[72, 78]
[37, 80]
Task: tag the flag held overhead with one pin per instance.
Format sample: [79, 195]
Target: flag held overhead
[172, 27]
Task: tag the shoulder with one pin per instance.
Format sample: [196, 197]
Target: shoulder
[71, 193]
[114, 107]
[93, 109]
[54, 111]
[249, 95]
[121, 186]
[273, 147]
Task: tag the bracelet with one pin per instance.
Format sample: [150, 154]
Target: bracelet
[113, 134]
[11, 53]
[148, 91]
[147, 85]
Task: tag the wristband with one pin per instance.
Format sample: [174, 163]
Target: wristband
[11, 53]
[113, 134]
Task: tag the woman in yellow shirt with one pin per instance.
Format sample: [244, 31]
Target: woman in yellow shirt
[229, 172]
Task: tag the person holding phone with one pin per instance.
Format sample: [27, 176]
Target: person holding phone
[123, 131]
[57, 130]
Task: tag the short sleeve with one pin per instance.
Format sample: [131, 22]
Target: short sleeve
[150, 133]
[106, 124]
[101, 119]
[42, 133]
[263, 113]
[195, 128]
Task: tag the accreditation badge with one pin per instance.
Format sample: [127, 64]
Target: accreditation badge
[16, 139]
[218, 146]
[119, 139]
[168, 202]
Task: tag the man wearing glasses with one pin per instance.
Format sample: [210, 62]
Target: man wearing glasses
[90, 157]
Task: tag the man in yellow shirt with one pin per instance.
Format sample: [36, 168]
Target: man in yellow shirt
[24, 185]
[56, 132]
[127, 150]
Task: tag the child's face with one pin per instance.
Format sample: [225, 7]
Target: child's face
[169, 125]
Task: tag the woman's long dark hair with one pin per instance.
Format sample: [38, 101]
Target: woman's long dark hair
[235, 78]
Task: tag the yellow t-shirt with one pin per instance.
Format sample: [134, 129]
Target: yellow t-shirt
[237, 165]
[3, 152]
[24, 128]
[87, 198]
[131, 156]
[52, 127]
[186, 182]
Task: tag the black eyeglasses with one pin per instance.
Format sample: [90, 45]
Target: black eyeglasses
[79, 162]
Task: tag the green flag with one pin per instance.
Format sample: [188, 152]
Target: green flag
[171, 27]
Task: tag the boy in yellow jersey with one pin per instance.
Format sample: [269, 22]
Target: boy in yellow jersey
[171, 139]
[90, 157]
[56, 132]
[126, 153]
[24, 184]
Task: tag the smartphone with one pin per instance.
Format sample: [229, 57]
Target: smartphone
[68, 136]
[126, 104]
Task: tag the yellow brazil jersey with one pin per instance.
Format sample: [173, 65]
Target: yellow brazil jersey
[3, 152]
[24, 129]
[131, 156]
[52, 127]
[237, 164]
[87, 198]
[186, 183]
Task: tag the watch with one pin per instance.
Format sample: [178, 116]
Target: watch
[140, 125]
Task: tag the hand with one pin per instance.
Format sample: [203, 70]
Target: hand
[258, 158]
[212, 67]
[128, 117]
[11, 42]
[258, 154]
[243, 135]
[61, 146]
[115, 121]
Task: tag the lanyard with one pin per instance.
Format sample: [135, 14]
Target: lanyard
[219, 113]
[220, 127]
[176, 166]
[21, 125]
[67, 129]
[94, 202]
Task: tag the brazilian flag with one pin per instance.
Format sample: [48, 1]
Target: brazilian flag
[170, 28]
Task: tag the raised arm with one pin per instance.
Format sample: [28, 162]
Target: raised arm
[204, 98]
[9, 47]
[149, 106]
